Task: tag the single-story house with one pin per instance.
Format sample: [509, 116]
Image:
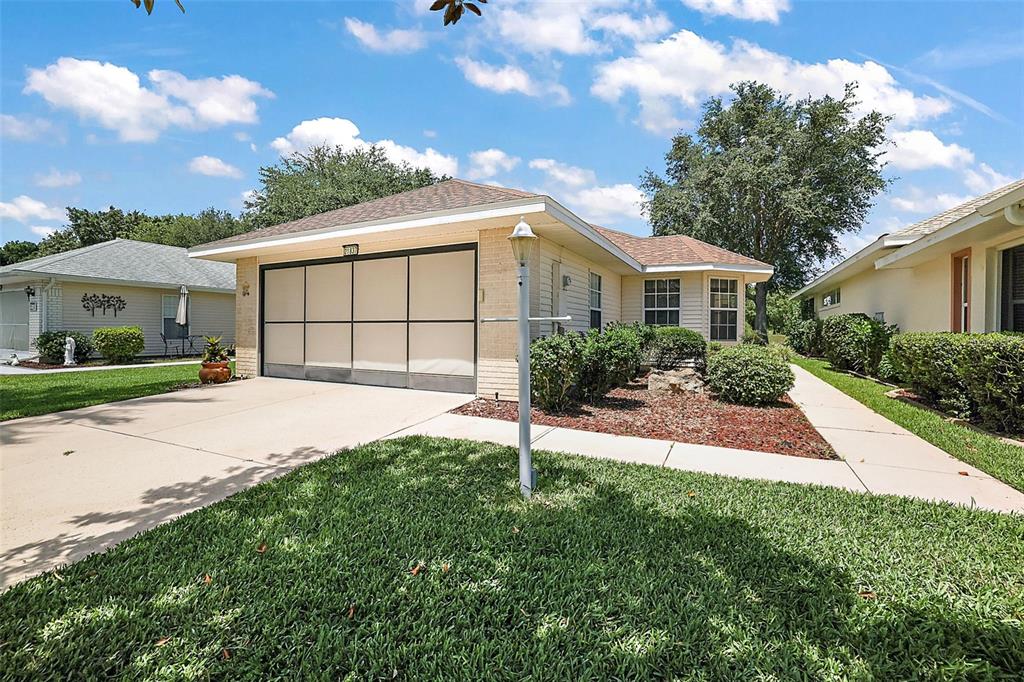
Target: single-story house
[396, 291]
[961, 270]
[114, 284]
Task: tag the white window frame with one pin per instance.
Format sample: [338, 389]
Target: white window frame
[188, 327]
[712, 308]
[592, 292]
[668, 308]
[837, 298]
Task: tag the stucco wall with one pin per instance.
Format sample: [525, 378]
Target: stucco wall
[211, 313]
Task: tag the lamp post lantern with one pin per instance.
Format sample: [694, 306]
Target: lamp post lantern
[523, 239]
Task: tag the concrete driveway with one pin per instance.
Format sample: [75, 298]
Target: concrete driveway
[76, 482]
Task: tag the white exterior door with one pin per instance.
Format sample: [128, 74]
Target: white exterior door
[404, 319]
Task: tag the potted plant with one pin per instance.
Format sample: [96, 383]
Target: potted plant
[216, 367]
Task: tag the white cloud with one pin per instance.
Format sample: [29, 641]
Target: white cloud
[920, 149]
[341, 132]
[645, 27]
[115, 98]
[430, 133]
[564, 174]
[55, 178]
[685, 68]
[213, 167]
[984, 179]
[607, 203]
[395, 41]
[242, 136]
[42, 230]
[24, 208]
[25, 128]
[754, 10]
[919, 201]
[510, 78]
[490, 162]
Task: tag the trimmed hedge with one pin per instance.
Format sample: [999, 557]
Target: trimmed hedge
[749, 375]
[554, 370]
[675, 345]
[855, 341]
[609, 360]
[51, 346]
[975, 376]
[118, 344]
[805, 338]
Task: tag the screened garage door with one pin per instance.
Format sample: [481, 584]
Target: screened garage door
[394, 319]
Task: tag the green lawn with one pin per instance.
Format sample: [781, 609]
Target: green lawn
[613, 571]
[993, 456]
[26, 395]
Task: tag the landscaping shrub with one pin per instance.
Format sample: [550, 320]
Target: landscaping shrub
[118, 344]
[675, 345]
[51, 346]
[855, 342]
[554, 369]
[805, 338]
[887, 368]
[749, 375]
[928, 362]
[992, 371]
[609, 359]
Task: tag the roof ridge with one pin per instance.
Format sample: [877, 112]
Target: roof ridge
[52, 258]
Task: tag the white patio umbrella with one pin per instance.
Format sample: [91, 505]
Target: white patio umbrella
[182, 315]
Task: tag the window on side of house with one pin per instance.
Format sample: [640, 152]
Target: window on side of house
[662, 301]
[169, 310]
[807, 309]
[724, 304]
[595, 300]
[830, 298]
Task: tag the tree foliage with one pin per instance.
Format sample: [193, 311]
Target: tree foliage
[773, 179]
[185, 230]
[327, 178]
[17, 250]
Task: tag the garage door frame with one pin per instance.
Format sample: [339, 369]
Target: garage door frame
[459, 384]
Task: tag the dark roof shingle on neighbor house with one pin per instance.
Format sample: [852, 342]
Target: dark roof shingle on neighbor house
[676, 249]
[131, 261]
[446, 195]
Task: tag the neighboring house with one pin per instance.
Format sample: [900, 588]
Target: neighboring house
[113, 284]
[960, 271]
[395, 291]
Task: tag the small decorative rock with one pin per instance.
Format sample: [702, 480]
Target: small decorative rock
[685, 380]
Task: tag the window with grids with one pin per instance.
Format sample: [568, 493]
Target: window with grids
[595, 300]
[661, 302]
[724, 304]
[169, 308]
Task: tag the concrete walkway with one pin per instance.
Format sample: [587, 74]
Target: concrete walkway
[877, 455]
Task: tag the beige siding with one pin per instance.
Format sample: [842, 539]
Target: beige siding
[210, 312]
[574, 300]
[693, 311]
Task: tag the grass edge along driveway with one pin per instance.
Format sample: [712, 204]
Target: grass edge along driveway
[993, 456]
[417, 558]
[29, 395]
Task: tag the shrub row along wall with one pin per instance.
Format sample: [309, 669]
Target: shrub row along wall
[975, 376]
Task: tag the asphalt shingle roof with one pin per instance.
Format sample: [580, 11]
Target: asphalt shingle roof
[950, 216]
[132, 261]
[447, 195]
[676, 249]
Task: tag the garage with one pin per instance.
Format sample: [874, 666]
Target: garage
[14, 308]
[403, 319]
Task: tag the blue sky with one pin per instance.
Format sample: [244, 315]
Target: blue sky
[103, 105]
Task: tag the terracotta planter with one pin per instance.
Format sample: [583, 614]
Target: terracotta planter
[214, 373]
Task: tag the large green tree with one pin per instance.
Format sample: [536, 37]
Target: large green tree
[87, 227]
[326, 178]
[184, 230]
[773, 179]
[17, 250]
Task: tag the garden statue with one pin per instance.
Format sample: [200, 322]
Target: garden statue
[69, 351]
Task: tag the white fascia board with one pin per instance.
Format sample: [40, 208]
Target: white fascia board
[722, 267]
[951, 230]
[504, 209]
[584, 228]
[833, 272]
[109, 281]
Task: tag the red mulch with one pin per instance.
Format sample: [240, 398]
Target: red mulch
[686, 418]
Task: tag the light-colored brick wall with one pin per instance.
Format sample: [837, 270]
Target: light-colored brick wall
[247, 317]
[55, 308]
[497, 369]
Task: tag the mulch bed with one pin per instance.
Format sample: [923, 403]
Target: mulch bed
[686, 418]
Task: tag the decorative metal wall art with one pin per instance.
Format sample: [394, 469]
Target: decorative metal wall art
[103, 302]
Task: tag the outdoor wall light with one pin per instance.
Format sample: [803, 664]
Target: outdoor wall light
[30, 292]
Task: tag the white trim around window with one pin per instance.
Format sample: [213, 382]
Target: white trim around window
[663, 300]
[724, 309]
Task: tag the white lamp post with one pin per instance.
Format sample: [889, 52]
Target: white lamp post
[523, 239]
